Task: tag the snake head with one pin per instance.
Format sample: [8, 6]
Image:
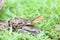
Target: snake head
[37, 19]
[31, 22]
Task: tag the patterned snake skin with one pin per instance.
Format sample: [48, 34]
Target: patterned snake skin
[1, 4]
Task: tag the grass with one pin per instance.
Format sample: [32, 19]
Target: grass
[30, 9]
